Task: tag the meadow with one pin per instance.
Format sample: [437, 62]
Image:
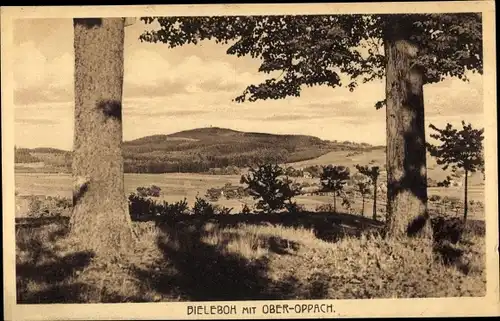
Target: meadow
[314, 254]
[311, 255]
[177, 186]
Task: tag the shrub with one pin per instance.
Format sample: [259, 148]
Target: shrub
[140, 206]
[314, 171]
[246, 209]
[267, 184]
[48, 206]
[202, 207]
[213, 194]
[153, 191]
[171, 210]
[434, 198]
[324, 208]
[447, 229]
[294, 208]
[222, 210]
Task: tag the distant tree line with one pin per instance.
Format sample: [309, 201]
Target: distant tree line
[23, 155]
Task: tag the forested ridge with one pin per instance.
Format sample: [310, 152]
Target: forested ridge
[198, 150]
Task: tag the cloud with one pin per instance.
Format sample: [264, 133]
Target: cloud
[145, 68]
[23, 96]
[147, 71]
[39, 79]
[166, 113]
[31, 121]
[31, 66]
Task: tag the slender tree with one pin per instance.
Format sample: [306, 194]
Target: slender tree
[333, 179]
[409, 50]
[461, 149]
[362, 184]
[100, 218]
[372, 173]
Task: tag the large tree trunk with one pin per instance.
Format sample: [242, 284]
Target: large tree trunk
[100, 219]
[406, 156]
[375, 200]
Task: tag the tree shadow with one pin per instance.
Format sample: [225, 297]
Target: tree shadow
[449, 237]
[43, 275]
[199, 270]
[330, 227]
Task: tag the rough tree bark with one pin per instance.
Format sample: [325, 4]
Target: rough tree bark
[375, 200]
[406, 158]
[465, 197]
[100, 219]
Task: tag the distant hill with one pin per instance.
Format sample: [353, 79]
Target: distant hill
[200, 149]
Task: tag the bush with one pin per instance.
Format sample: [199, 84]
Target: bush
[267, 184]
[213, 194]
[246, 209]
[48, 206]
[153, 191]
[294, 208]
[434, 198]
[222, 210]
[324, 208]
[173, 210]
[140, 206]
[447, 229]
[202, 207]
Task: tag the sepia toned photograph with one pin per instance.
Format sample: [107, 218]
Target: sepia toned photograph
[273, 162]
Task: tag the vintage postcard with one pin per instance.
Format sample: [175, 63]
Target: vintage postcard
[249, 161]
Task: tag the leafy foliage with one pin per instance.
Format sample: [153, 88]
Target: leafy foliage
[202, 207]
[311, 50]
[246, 209]
[48, 206]
[223, 151]
[362, 184]
[153, 191]
[213, 194]
[372, 173]
[175, 209]
[141, 207]
[333, 179]
[460, 149]
[23, 155]
[314, 170]
[266, 183]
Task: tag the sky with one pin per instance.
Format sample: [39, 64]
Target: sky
[168, 90]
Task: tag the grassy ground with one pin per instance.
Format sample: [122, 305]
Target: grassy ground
[238, 257]
[243, 257]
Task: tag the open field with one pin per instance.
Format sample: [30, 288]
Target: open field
[377, 157]
[175, 187]
[310, 255]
